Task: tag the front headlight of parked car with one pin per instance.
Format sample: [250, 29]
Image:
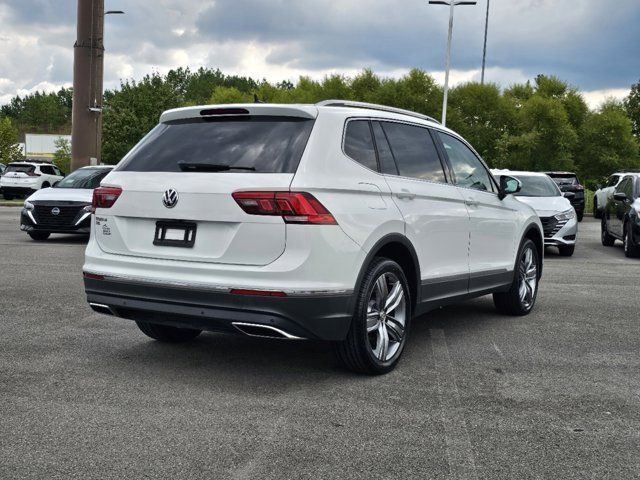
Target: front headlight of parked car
[568, 215]
[28, 206]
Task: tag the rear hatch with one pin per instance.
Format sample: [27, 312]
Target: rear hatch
[198, 159]
[18, 174]
[568, 182]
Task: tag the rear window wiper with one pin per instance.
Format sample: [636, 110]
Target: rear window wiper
[210, 167]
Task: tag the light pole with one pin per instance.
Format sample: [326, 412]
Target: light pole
[88, 62]
[451, 5]
[484, 50]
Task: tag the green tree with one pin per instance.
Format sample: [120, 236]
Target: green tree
[230, 95]
[10, 151]
[546, 139]
[632, 106]
[482, 115]
[132, 111]
[62, 155]
[607, 143]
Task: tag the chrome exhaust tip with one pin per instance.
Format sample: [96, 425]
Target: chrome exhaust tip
[104, 309]
[264, 331]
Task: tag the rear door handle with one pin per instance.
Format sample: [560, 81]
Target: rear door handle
[404, 193]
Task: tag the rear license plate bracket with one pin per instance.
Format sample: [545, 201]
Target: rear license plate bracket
[175, 234]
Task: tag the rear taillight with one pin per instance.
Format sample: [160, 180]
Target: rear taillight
[293, 207]
[105, 197]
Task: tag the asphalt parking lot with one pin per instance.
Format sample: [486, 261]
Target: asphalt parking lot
[477, 395]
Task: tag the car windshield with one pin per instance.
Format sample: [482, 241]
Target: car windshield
[20, 168]
[245, 144]
[537, 186]
[84, 178]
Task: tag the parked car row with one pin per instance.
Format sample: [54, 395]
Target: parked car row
[339, 221]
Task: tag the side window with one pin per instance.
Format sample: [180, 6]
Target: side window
[47, 170]
[387, 163]
[57, 171]
[414, 151]
[624, 186]
[467, 167]
[358, 144]
[628, 188]
[613, 181]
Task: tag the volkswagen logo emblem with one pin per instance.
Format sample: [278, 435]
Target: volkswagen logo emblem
[170, 198]
[55, 211]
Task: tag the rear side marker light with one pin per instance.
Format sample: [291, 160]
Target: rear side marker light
[293, 207]
[92, 276]
[105, 197]
[258, 293]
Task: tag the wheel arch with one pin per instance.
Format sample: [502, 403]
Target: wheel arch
[533, 233]
[398, 248]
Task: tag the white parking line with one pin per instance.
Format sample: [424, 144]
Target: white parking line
[460, 454]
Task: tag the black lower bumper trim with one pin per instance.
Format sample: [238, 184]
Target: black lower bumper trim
[314, 317]
[17, 191]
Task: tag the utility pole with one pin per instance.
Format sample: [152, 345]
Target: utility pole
[451, 5]
[484, 51]
[88, 56]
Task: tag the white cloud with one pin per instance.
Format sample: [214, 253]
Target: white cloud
[595, 98]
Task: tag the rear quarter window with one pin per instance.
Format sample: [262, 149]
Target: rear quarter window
[358, 143]
[266, 144]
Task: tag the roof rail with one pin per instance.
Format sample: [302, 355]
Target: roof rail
[374, 106]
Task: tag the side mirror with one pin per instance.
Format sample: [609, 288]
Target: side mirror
[569, 195]
[508, 185]
[620, 196]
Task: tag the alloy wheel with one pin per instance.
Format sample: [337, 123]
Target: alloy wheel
[528, 272]
[386, 317]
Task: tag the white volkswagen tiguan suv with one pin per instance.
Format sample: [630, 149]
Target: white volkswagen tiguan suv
[338, 221]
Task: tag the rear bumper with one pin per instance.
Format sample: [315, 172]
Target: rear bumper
[17, 191]
[321, 317]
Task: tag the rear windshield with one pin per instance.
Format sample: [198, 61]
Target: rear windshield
[537, 186]
[564, 179]
[266, 144]
[20, 168]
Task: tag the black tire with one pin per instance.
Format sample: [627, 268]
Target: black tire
[597, 213]
[7, 196]
[356, 351]
[511, 302]
[580, 216]
[606, 239]
[566, 250]
[630, 250]
[45, 185]
[39, 236]
[165, 333]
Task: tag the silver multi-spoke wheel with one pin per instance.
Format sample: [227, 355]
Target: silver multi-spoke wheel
[528, 275]
[386, 316]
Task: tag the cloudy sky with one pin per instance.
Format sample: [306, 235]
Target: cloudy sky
[590, 43]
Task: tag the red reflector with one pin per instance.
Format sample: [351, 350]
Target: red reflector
[92, 276]
[105, 197]
[259, 293]
[293, 207]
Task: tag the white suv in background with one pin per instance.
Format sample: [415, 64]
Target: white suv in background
[338, 221]
[24, 178]
[605, 192]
